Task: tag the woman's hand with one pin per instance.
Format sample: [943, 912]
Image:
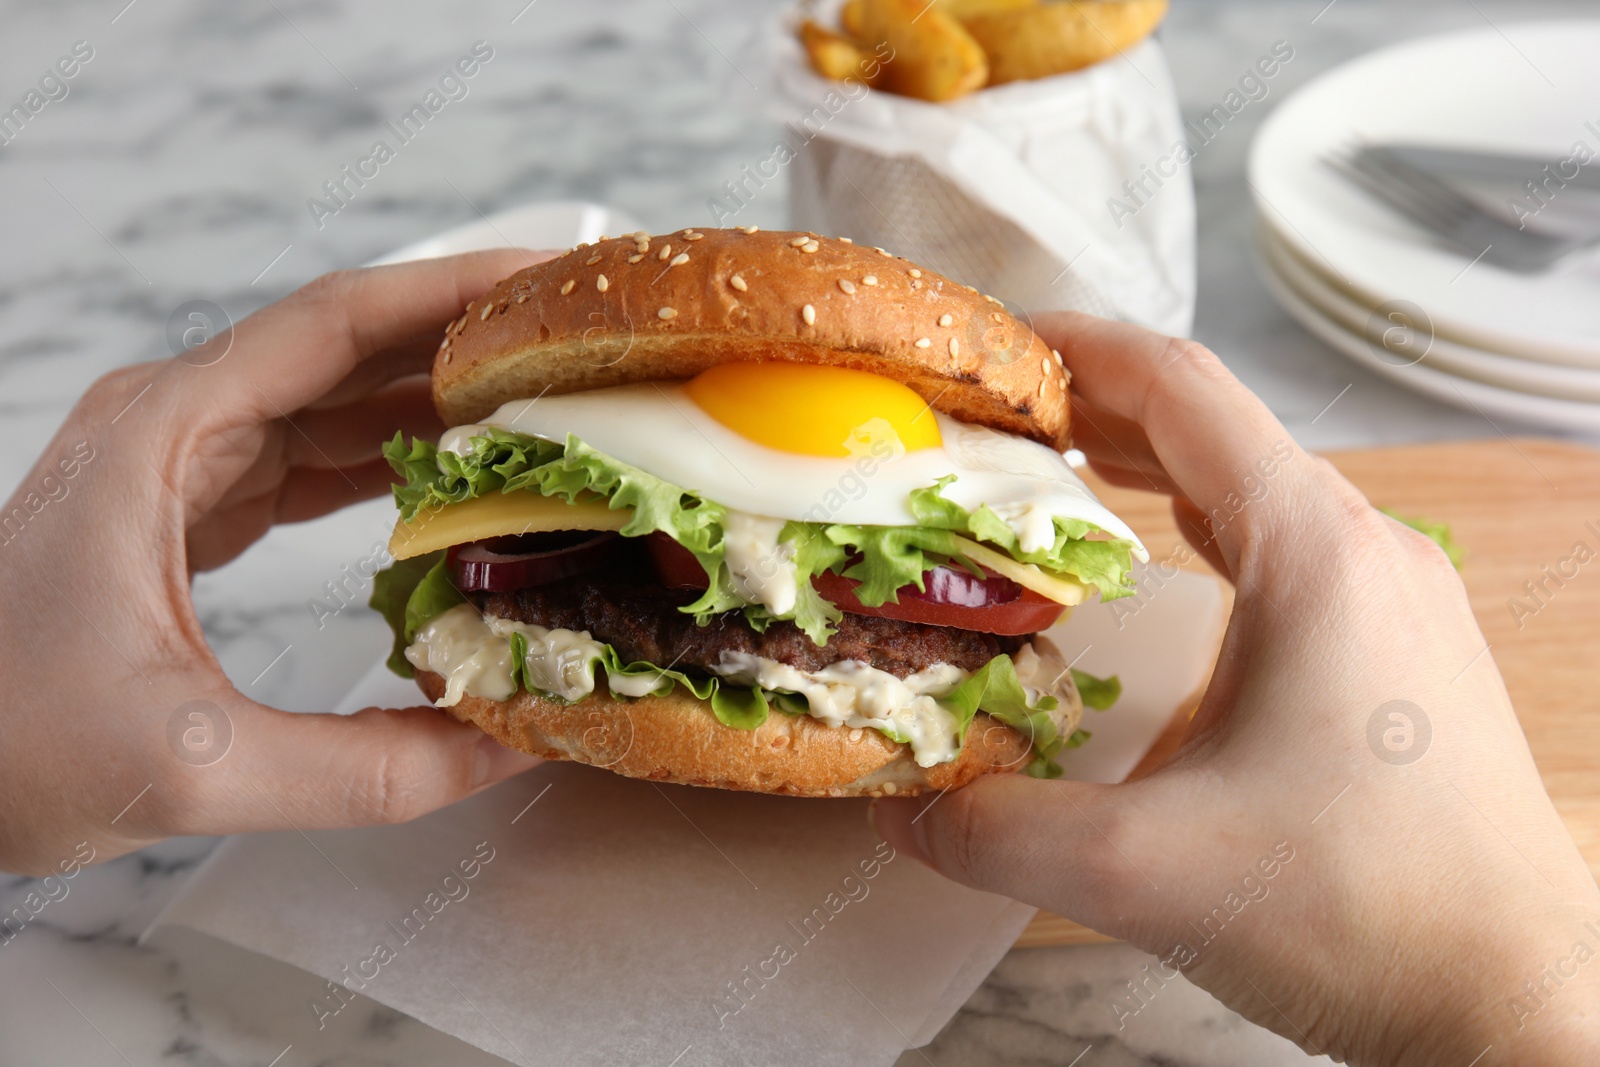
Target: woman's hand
[1310, 855]
[164, 469]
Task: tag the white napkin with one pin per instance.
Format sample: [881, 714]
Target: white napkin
[1010, 188]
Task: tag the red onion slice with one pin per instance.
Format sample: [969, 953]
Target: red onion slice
[505, 564]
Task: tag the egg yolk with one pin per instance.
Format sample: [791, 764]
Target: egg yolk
[816, 410]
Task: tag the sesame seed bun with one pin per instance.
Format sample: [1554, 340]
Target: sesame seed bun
[644, 308]
[676, 738]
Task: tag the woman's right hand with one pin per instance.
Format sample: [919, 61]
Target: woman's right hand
[1353, 847]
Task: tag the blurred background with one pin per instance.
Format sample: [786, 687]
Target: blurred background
[180, 162]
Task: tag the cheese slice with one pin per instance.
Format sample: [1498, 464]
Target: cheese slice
[499, 514]
[1061, 589]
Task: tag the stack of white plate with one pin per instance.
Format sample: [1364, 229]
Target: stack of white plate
[1384, 292]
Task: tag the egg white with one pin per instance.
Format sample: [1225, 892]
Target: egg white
[656, 427]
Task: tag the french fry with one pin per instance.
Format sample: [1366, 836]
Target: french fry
[850, 18]
[832, 55]
[1054, 38]
[962, 10]
[850, 14]
[933, 57]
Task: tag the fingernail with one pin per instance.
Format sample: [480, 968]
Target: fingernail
[899, 822]
[493, 762]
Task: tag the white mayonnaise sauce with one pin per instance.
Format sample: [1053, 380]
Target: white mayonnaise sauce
[458, 646]
[473, 655]
[1043, 671]
[762, 568]
[851, 693]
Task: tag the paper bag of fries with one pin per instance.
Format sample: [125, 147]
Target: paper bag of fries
[1024, 146]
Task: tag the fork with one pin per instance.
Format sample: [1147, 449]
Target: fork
[1451, 215]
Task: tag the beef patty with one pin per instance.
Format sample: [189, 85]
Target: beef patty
[640, 619]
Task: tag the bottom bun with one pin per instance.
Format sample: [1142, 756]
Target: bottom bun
[676, 738]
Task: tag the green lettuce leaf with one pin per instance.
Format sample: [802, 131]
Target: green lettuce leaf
[892, 557]
[434, 595]
[1097, 693]
[738, 707]
[1437, 532]
[393, 589]
[995, 690]
[1102, 565]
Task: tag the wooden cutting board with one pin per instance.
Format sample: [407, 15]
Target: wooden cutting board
[1517, 507]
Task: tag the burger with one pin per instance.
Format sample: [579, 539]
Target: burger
[752, 510]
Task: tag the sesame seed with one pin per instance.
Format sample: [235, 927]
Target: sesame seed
[447, 356]
[812, 247]
[679, 259]
[667, 313]
[1047, 366]
[580, 244]
[946, 319]
[1061, 384]
[846, 241]
[881, 252]
[915, 284]
[737, 281]
[809, 313]
[522, 298]
[955, 347]
[488, 309]
[871, 279]
[749, 229]
[1053, 352]
[666, 252]
[1043, 386]
[969, 288]
[445, 343]
[693, 236]
[997, 317]
[603, 237]
[591, 261]
[636, 258]
[914, 272]
[601, 283]
[639, 235]
[799, 241]
[566, 286]
[687, 232]
[846, 285]
[855, 734]
[888, 789]
[924, 342]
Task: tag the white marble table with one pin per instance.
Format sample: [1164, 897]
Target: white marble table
[178, 167]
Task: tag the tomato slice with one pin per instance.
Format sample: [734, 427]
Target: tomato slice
[950, 597]
[1024, 613]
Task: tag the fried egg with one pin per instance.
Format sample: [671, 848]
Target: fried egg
[813, 443]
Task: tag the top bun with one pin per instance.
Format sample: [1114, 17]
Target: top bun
[644, 308]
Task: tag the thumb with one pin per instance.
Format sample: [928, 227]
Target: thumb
[244, 766]
[1077, 849]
